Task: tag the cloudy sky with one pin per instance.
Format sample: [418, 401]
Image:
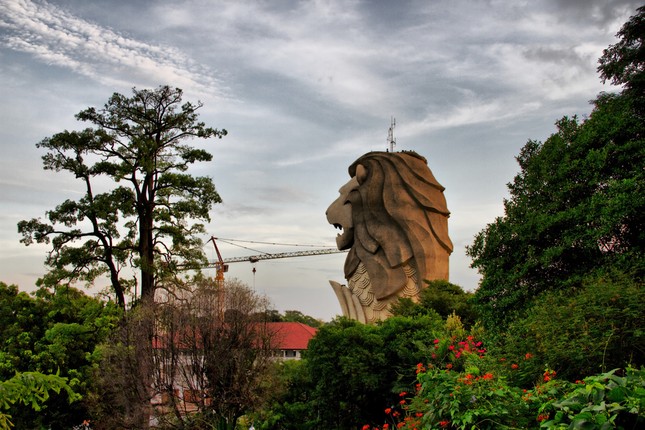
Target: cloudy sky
[304, 88]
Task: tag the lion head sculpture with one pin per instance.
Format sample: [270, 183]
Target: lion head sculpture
[394, 221]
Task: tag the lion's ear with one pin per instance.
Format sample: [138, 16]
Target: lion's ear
[361, 173]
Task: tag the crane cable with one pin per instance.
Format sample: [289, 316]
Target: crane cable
[267, 243]
[230, 242]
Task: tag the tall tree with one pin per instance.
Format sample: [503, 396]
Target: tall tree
[578, 204]
[575, 208]
[624, 62]
[144, 219]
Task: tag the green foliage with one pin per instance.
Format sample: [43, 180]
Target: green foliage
[144, 224]
[577, 207]
[32, 390]
[468, 399]
[598, 326]
[624, 62]
[405, 341]
[289, 404]
[478, 395]
[440, 297]
[604, 401]
[297, 316]
[347, 364]
[273, 315]
[348, 373]
[52, 333]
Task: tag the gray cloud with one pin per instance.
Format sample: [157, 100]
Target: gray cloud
[600, 12]
[56, 37]
[304, 89]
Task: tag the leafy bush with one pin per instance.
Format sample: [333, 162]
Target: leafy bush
[602, 402]
[475, 398]
[596, 328]
[31, 389]
[53, 333]
[441, 298]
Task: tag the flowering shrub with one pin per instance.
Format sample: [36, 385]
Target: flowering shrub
[453, 352]
[460, 389]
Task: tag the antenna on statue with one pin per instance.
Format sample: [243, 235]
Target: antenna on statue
[391, 141]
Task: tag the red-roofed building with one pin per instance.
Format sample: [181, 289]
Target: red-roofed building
[287, 340]
[290, 338]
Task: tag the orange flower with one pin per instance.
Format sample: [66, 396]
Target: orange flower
[528, 356]
[548, 375]
[444, 423]
[449, 366]
[366, 427]
[514, 366]
[487, 376]
[388, 411]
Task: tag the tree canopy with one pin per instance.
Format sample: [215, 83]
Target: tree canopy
[577, 206]
[440, 297]
[624, 62]
[143, 218]
[52, 338]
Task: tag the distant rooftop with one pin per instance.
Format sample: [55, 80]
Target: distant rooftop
[291, 335]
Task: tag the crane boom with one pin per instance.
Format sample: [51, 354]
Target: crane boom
[256, 258]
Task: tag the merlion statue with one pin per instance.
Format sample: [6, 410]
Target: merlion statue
[394, 220]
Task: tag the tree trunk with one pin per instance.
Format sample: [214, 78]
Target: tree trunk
[146, 243]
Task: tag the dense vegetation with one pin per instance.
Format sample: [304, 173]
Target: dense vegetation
[45, 335]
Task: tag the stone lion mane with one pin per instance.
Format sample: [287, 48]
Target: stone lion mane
[400, 218]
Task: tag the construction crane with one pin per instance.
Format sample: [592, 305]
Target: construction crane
[220, 265]
[220, 269]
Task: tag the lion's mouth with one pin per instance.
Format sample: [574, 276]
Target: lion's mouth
[344, 239]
